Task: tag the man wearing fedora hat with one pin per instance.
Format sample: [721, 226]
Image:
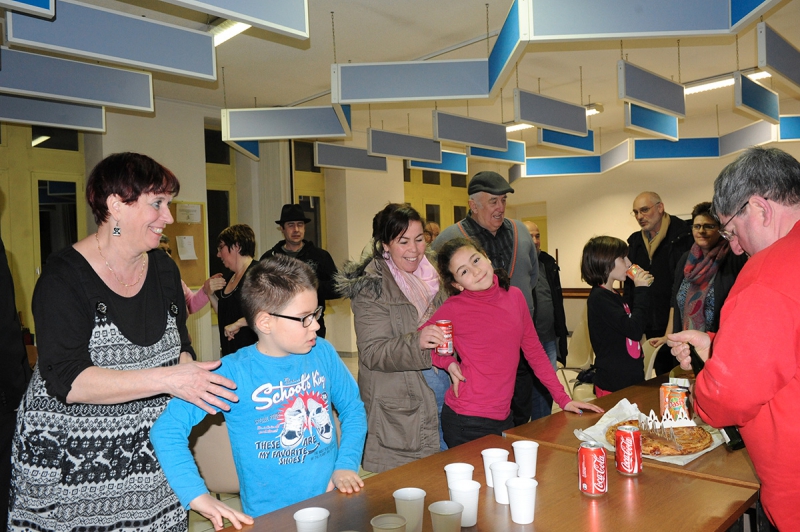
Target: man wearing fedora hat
[509, 245]
[293, 226]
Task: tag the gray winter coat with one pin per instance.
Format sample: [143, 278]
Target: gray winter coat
[402, 421]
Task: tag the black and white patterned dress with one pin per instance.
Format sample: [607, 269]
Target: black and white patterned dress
[92, 467]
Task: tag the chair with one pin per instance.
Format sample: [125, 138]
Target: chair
[650, 354]
[579, 357]
[212, 451]
[33, 355]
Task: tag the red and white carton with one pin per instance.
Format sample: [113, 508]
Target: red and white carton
[445, 348]
[592, 469]
[628, 457]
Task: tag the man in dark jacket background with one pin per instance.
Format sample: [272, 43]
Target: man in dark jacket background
[293, 227]
[657, 248]
[14, 375]
[549, 319]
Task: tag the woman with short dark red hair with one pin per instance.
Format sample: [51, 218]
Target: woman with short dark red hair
[113, 347]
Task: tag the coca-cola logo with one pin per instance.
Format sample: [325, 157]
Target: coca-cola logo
[628, 461]
[599, 467]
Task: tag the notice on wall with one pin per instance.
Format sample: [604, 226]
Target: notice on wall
[186, 248]
[188, 213]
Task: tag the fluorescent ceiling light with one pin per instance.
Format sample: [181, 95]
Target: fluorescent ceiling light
[724, 80]
[594, 109]
[517, 127]
[227, 30]
[38, 140]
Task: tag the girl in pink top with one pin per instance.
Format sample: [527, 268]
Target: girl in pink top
[491, 323]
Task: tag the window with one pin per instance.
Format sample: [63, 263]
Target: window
[54, 138]
[432, 213]
[430, 178]
[304, 157]
[311, 209]
[458, 180]
[58, 226]
[217, 152]
[406, 172]
[459, 212]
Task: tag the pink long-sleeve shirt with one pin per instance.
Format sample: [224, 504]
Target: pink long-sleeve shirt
[489, 329]
[194, 300]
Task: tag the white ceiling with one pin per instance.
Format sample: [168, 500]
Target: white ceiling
[266, 69]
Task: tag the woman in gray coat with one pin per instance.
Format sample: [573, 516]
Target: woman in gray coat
[393, 291]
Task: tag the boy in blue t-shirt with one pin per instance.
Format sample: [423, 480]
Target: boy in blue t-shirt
[282, 434]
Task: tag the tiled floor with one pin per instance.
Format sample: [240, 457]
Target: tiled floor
[198, 523]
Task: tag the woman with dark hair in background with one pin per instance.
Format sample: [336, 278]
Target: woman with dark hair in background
[393, 291]
[113, 347]
[236, 247]
[704, 276]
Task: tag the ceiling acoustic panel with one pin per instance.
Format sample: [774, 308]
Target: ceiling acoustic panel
[549, 113]
[390, 144]
[651, 122]
[755, 134]
[452, 162]
[515, 153]
[566, 141]
[38, 8]
[635, 84]
[346, 157]
[96, 33]
[33, 111]
[43, 76]
[287, 17]
[755, 99]
[469, 131]
[777, 55]
[277, 123]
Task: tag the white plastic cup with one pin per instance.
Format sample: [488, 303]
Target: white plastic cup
[312, 519]
[525, 453]
[410, 503]
[466, 492]
[458, 471]
[491, 456]
[446, 516]
[522, 498]
[388, 523]
[502, 471]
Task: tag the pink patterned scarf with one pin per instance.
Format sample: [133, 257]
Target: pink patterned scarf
[419, 287]
[699, 271]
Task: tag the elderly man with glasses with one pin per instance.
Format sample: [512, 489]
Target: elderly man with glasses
[657, 248]
[752, 374]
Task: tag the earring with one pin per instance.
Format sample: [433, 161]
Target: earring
[116, 231]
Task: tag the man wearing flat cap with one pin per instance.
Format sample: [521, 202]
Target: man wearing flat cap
[293, 227]
[509, 246]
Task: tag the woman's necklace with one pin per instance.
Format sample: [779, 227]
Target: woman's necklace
[126, 285]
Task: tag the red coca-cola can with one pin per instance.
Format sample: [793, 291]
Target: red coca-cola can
[445, 348]
[592, 470]
[628, 457]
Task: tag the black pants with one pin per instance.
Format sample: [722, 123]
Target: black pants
[8, 422]
[526, 385]
[460, 429]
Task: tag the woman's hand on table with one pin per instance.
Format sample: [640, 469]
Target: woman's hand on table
[346, 481]
[215, 511]
[456, 377]
[679, 342]
[195, 383]
[430, 337]
[579, 406]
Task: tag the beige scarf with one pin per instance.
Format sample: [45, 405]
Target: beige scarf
[652, 245]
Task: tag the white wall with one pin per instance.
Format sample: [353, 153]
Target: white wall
[174, 137]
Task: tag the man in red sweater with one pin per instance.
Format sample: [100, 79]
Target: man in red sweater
[752, 374]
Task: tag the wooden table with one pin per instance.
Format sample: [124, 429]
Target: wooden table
[658, 499]
[557, 431]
